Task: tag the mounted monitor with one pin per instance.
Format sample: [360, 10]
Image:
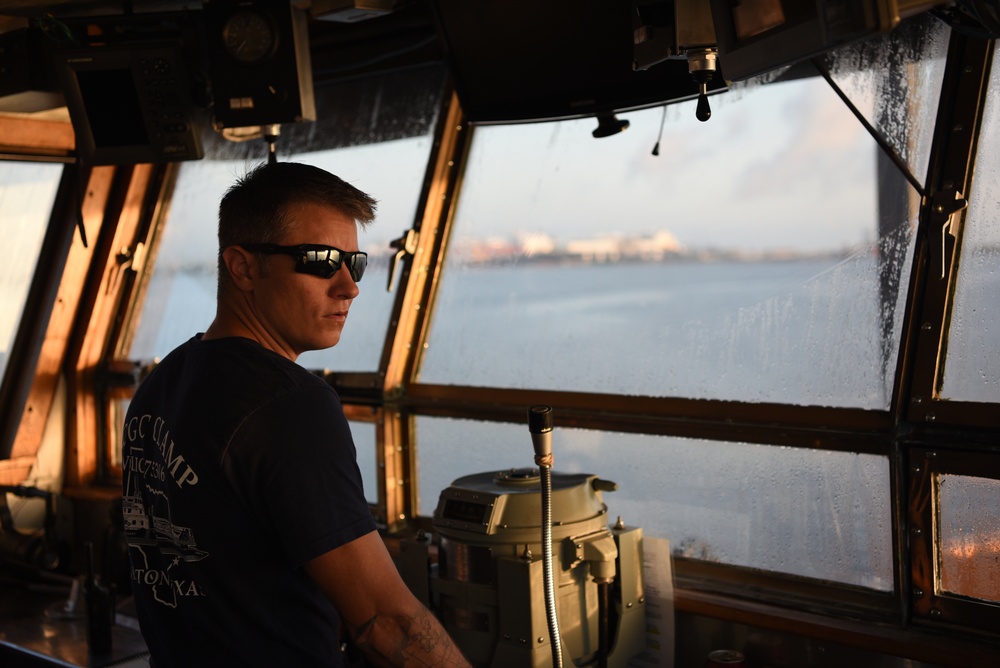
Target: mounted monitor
[129, 104]
[757, 36]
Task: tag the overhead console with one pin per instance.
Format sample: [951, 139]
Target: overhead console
[132, 89]
[520, 60]
[143, 87]
[757, 36]
[134, 85]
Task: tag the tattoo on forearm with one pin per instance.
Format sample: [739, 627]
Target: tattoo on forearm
[408, 641]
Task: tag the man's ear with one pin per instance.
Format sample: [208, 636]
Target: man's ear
[243, 267]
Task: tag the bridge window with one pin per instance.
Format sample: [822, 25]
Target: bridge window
[815, 514]
[955, 536]
[972, 369]
[887, 74]
[969, 539]
[731, 266]
[27, 191]
[364, 442]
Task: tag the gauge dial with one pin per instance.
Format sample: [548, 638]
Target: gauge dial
[249, 36]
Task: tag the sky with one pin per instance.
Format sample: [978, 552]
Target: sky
[785, 166]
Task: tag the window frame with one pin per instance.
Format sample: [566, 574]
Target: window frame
[932, 606]
[942, 219]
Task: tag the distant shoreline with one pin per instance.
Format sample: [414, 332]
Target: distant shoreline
[699, 257]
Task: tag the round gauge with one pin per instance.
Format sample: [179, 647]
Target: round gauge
[249, 36]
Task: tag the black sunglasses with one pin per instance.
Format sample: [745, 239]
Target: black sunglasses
[317, 260]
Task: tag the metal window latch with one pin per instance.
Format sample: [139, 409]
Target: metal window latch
[128, 258]
[405, 245]
[946, 204]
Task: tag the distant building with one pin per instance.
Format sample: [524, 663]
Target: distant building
[536, 243]
[602, 249]
[653, 248]
[541, 246]
[616, 248]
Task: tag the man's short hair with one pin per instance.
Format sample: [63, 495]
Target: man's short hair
[255, 208]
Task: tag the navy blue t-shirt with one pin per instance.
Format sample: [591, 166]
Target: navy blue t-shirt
[238, 468]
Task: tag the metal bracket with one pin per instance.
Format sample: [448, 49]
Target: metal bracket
[128, 259]
[598, 549]
[405, 245]
[945, 204]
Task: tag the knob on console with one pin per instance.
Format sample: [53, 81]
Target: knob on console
[540, 426]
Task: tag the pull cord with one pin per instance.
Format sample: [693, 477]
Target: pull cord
[663, 119]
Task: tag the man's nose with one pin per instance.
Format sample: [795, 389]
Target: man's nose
[343, 284]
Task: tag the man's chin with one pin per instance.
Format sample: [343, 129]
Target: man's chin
[330, 340]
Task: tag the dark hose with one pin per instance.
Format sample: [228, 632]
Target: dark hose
[603, 622]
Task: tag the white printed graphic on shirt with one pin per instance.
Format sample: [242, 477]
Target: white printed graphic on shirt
[150, 532]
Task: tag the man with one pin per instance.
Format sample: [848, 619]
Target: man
[249, 535]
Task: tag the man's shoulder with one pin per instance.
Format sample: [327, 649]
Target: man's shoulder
[234, 354]
[231, 367]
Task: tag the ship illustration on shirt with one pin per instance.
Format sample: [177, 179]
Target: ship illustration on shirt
[148, 526]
